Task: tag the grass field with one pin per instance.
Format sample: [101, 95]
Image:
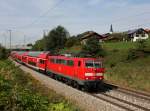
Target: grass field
[134, 73]
[20, 92]
[118, 45]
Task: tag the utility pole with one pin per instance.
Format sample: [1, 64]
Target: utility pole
[24, 40]
[44, 32]
[5, 40]
[10, 38]
[44, 35]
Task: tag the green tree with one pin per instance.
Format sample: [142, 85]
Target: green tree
[92, 48]
[39, 45]
[30, 44]
[72, 41]
[56, 38]
[3, 52]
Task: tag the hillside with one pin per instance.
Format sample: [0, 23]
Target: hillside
[128, 73]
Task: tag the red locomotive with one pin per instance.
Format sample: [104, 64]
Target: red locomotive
[79, 72]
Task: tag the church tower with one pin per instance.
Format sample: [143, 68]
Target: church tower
[111, 29]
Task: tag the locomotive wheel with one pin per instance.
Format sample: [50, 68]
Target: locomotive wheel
[85, 88]
[76, 85]
[68, 82]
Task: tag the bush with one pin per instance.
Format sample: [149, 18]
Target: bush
[141, 45]
[92, 48]
[3, 53]
[72, 41]
[132, 54]
[142, 50]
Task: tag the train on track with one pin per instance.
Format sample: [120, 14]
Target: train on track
[87, 73]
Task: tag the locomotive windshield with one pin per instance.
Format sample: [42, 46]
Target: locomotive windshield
[93, 64]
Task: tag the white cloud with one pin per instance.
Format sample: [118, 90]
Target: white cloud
[94, 2]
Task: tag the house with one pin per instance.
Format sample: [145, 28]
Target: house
[86, 35]
[147, 30]
[137, 34]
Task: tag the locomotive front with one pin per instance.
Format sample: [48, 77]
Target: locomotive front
[94, 73]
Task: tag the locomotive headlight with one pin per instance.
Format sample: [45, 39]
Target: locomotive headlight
[88, 74]
[99, 74]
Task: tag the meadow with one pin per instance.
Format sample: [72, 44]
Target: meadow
[132, 73]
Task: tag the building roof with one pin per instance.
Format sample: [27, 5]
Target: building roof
[147, 30]
[135, 30]
[89, 34]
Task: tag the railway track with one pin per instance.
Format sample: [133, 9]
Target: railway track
[138, 94]
[125, 105]
[126, 99]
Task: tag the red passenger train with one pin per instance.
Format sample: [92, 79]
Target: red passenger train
[79, 72]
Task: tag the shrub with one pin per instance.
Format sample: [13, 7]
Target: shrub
[72, 41]
[3, 52]
[142, 50]
[92, 48]
[141, 45]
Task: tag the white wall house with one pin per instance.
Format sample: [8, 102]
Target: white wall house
[137, 34]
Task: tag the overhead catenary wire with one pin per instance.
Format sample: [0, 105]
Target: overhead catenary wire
[42, 15]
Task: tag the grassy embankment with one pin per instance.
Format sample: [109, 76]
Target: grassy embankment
[20, 92]
[128, 73]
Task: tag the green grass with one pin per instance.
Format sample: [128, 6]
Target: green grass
[133, 74]
[118, 45]
[20, 92]
[128, 73]
[74, 50]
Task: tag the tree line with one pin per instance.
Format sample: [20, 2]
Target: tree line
[3, 52]
[59, 38]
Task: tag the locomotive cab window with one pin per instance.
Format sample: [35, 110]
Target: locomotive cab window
[93, 64]
[42, 61]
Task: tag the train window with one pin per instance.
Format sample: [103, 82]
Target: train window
[52, 60]
[32, 63]
[70, 63]
[63, 62]
[89, 64]
[79, 63]
[42, 61]
[93, 64]
[58, 61]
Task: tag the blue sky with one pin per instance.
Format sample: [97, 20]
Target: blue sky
[31, 17]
